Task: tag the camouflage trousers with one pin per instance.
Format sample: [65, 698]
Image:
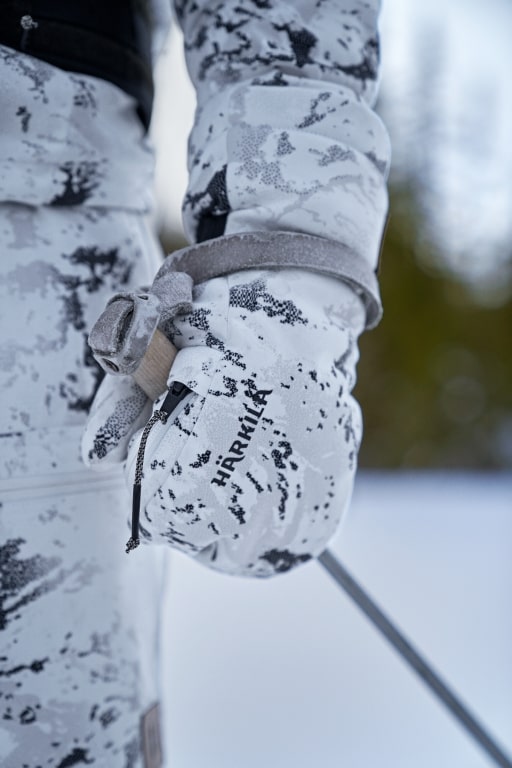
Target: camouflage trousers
[79, 620]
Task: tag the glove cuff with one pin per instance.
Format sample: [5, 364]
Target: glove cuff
[275, 250]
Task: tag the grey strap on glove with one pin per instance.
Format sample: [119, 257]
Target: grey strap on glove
[254, 466]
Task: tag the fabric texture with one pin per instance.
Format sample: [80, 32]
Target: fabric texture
[79, 622]
[58, 142]
[253, 471]
[254, 474]
[111, 41]
[278, 250]
[285, 138]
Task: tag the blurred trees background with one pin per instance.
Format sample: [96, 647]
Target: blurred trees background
[435, 377]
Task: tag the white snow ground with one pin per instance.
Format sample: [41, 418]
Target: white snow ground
[286, 673]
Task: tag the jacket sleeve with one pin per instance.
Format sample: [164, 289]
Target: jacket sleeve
[285, 138]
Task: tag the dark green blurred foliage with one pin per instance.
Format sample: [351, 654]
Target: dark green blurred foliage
[435, 378]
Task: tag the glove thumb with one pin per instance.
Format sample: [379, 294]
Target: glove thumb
[119, 409]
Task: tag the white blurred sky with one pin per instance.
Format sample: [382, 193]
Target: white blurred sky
[459, 49]
[448, 105]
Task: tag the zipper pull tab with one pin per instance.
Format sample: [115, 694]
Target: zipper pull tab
[134, 541]
[176, 394]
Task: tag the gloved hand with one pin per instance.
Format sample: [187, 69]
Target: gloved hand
[254, 468]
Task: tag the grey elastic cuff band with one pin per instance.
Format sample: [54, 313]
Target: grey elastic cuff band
[275, 250]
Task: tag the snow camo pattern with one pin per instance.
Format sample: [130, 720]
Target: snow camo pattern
[73, 686]
[253, 473]
[78, 665]
[285, 137]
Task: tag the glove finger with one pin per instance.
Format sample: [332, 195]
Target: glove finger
[119, 409]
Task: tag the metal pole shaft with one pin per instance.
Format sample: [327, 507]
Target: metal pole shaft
[422, 668]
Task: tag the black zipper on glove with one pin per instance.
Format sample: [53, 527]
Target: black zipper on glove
[175, 395]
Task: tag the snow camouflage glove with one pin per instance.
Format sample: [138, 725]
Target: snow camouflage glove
[285, 144]
[253, 469]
